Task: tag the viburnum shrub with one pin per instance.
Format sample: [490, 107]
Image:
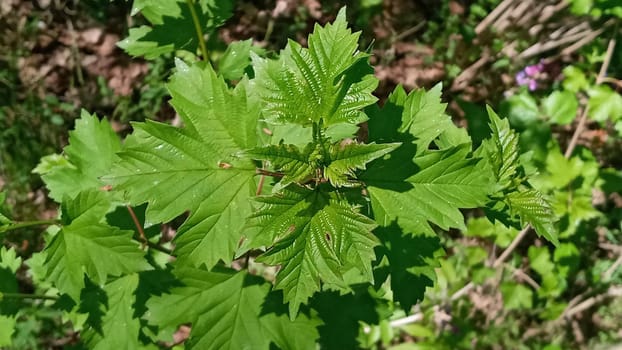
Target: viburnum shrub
[307, 206]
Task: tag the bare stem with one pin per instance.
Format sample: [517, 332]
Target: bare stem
[24, 224]
[197, 28]
[27, 296]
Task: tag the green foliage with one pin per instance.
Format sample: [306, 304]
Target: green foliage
[331, 80]
[343, 220]
[185, 16]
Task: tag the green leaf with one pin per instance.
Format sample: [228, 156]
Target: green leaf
[574, 79]
[429, 189]
[4, 211]
[194, 169]
[532, 208]
[345, 158]
[295, 165]
[9, 259]
[225, 309]
[561, 107]
[9, 264]
[88, 245]
[502, 149]
[522, 110]
[604, 104]
[419, 114]
[343, 316]
[236, 59]
[516, 296]
[330, 81]
[317, 238]
[164, 15]
[90, 154]
[7, 328]
[119, 328]
[411, 262]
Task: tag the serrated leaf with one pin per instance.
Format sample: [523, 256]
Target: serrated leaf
[86, 245]
[429, 189]
[89, 155]
[9, 264]
[502, 149]
[7, 328]
[159, 39]
[296, 166]
[532, 208]
[516, 296]
[411, 263]
[343, 315]
[193, 168]
[604, 104]
[316, 238]
[119, 328]
[330, 81]
[419, 115]
[9, 259]
[237, 58]
[225, 309]
[561, 107]
[345, 158]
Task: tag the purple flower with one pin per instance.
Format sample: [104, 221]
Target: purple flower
[529, 76]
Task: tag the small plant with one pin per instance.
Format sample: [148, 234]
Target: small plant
[272, 172]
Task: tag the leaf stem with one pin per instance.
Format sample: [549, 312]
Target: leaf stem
[139, 226]
[143, 238]
[28, 296]
[24, 224]
[197, 28]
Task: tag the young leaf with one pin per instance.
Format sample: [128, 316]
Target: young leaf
[532, 208]
[90, 154]
[345, 158]
[431, 188]
[329, 81]
[502, 149]
[176, 170]
[317, 238]
[159, 39]
[225, 309]
[119, 328]
[296, 166]
[88, 245]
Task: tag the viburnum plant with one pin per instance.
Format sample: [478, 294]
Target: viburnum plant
[292, 166]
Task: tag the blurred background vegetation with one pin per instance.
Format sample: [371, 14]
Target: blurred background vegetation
[552, 67]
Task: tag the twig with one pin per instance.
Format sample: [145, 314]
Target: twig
[506, 253]
[521, 274]
[583, 118]
[501, 8]
[613, 291]
[612, 269]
